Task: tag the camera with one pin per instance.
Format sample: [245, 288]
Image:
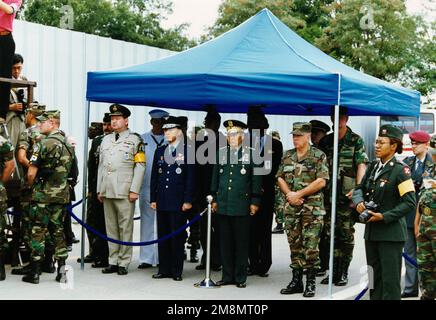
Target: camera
[365, 215]
[21, 98]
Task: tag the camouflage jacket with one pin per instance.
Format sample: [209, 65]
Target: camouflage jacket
[427, 205]
[6, 153]
[54, 157]
[28, 138]
[298, 174]
[351, 153]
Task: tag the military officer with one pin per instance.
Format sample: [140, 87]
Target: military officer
[7, 167]
[421, 166]
[388, 184]
[120, 174]
[99, 250]
[352, 164]
[302, 174]
[425, 231]
[48, 171]
[237, 193]
[171, 194]
[148, 255]
[28, 139]
[270, 152]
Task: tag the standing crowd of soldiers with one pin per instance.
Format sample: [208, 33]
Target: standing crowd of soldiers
[250, 179]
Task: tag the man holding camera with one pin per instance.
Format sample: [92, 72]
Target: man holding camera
[388, 184]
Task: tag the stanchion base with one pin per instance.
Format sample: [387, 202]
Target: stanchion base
[207, 283]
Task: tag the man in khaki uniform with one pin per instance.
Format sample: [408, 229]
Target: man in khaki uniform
[120, 175]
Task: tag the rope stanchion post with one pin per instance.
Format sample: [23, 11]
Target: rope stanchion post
[208, 282]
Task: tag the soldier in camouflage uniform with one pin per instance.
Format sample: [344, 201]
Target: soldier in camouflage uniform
[425, 231]
[28, 139]
[352, 165]
[48, 172]
[301, 176]
[7, 166]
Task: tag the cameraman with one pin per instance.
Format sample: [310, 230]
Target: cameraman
[388, 183]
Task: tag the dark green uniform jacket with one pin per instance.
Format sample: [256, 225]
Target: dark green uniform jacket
[394, 192]
[234, 186]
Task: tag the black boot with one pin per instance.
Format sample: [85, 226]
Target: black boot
[22, 271]
[48, 263]
[336, 272]
[33, 275]
[343, 277]
[296, 284]
[62, 273]
[2, 269]
[278, 229]
[309, 292]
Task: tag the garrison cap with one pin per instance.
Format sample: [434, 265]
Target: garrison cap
[301, 128]
[391, 131]
[119, 110]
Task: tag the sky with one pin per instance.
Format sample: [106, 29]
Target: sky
[203, 13]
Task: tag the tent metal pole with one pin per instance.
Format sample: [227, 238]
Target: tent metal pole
[334, 189]
[84, 185]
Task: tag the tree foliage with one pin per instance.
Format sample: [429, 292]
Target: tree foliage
[128, 20]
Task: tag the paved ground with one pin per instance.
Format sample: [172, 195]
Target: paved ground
[138, 284]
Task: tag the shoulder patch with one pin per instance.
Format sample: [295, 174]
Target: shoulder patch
[406, 171]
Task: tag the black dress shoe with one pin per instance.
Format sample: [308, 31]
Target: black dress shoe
[159, 276]
[100, 264]
[75, 240]
[87, 259]
[145, 266]
[241, 285]
[179, 278]
[224, 283]
[110, 269]
[250, 272]
[122, 271]
[263, 275]
[409, 295]
[200, 267]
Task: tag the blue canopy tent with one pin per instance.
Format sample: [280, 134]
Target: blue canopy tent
[261, 61]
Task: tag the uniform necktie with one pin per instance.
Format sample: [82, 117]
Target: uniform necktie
[379, 169]
[117, 136]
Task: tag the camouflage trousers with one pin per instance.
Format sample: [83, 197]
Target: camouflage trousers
[45, 218]
[344, 233]
[426, 256]
[3, 210]
[303, 233]
[279, 206]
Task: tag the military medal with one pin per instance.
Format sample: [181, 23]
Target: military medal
[243, 171]
[160, 170]
[178, 170]
[427, 211]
